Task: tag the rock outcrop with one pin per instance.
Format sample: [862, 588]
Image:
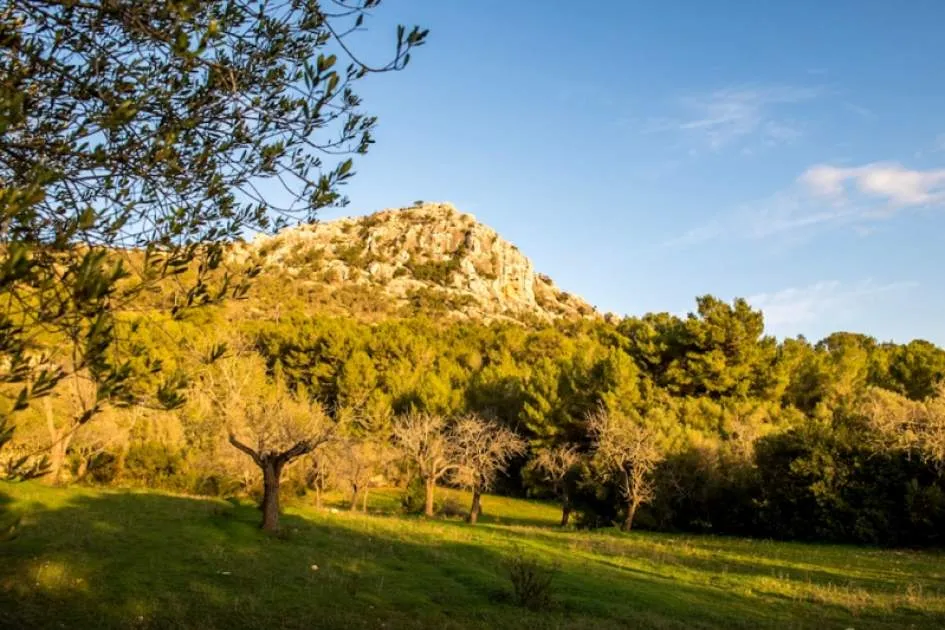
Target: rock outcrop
[429, 250]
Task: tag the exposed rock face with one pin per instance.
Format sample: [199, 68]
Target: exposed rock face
[431, 248]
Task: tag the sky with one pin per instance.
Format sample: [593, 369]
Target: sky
[645, 153]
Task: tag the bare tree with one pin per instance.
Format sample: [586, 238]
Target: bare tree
[484, 448]
[268, 422]
[318, 474]
[424, 439]
[357, 462]
[628, 450]
[555, 465]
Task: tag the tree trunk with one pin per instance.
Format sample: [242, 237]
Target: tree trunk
[318, 495]
[476, 507]
[364, 498]
[272, 471]
[565, 513]
[60, 438]
[354, 498]
[60, 450]
[83, 467]
[121, 459]
[430, 487]
[631, 512]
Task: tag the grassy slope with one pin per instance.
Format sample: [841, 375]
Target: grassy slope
[83, 558]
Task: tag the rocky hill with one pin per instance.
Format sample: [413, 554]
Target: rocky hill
[421, 257]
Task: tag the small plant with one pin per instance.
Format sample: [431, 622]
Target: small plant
[450, 507]
[352, 255]
[412, 500]
[531, 581]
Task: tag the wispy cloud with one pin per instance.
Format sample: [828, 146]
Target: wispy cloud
[737, 117]
[787, 309]
[859, 110]
[825, 195]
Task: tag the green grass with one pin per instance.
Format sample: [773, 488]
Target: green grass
[86, 558]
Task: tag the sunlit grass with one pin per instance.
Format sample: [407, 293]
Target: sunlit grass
[82, 558]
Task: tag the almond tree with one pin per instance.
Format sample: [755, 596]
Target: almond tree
[628, 451]
[555, 465]
[484, 448]
[357, 462]
[910, 425]
[267, 422]
[425, 440]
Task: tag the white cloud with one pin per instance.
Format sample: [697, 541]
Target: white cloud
[889, 182]
[737, 116]
[825, 195]
[789, 308]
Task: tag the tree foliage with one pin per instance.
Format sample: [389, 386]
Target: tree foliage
[819, 441]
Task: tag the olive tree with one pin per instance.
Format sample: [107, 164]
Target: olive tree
[138, 139]
[267, 421]
[484, 449]
[627, 451]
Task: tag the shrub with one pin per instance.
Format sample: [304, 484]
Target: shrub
[450, 507]
[103, 468]
[531, 581]
[414, 497]
[351, 255]
[412, 501]
[215, 485]
[153, 464]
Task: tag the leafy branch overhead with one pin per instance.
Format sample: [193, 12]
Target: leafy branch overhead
[138, 139]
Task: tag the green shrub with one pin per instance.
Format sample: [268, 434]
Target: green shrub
[103, 468]
[153, 464]
[412, 501]
[531, 581]
[352, 255]
[450, 507]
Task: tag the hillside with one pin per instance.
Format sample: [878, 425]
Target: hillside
[429, 257]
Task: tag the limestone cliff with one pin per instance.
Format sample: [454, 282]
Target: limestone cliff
[428, 251]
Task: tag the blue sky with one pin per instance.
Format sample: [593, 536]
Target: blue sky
[641, 154]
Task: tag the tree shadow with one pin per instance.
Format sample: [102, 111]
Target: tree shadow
[387, 502]
[746, 557]
[84, 559]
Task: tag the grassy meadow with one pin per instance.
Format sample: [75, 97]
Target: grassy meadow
[89, 558]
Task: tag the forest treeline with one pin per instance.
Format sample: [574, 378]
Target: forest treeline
[699, 423]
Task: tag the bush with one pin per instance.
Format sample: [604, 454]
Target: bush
[414, 497]
[153, 464]
[450, 507]
[103, 468]
[215, 486]
[531, 581]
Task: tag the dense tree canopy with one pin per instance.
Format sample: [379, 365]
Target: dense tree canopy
[834, 440]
